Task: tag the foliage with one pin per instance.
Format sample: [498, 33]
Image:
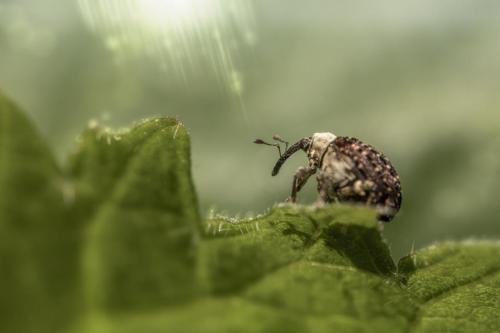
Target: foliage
[115, 243]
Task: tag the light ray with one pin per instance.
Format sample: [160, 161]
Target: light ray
[184, 37]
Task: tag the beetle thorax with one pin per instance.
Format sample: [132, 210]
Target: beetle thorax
[319, 144]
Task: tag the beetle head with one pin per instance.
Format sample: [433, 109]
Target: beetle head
[302, 144]
[315, 146]
[319, 144]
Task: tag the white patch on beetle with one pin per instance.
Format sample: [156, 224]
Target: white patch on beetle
[318, 146]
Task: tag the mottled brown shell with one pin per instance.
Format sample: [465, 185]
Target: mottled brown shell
[366, 176]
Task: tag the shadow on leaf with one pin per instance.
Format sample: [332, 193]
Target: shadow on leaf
[363, 246]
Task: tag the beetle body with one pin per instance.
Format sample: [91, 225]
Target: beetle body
[347, 170]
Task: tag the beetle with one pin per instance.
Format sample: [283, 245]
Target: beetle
[347, 170]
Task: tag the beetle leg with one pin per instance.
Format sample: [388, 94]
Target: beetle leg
[323, 197]
[299, 180]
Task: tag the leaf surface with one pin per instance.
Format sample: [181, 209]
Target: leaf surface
[38, 245]
[135, 197]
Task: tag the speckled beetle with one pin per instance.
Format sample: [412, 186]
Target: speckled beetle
[348, 170]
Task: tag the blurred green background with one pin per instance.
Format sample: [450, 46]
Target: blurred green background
[419, 80]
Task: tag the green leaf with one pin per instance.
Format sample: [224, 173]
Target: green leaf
[38, 246]
[300, 270]
[135, 197]
[293, 269]
[117, 245]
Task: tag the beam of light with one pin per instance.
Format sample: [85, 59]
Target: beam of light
[183, 37]
[175, 12]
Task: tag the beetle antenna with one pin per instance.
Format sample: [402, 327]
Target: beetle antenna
[301, 144]
[279, 139]
[262, 142]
